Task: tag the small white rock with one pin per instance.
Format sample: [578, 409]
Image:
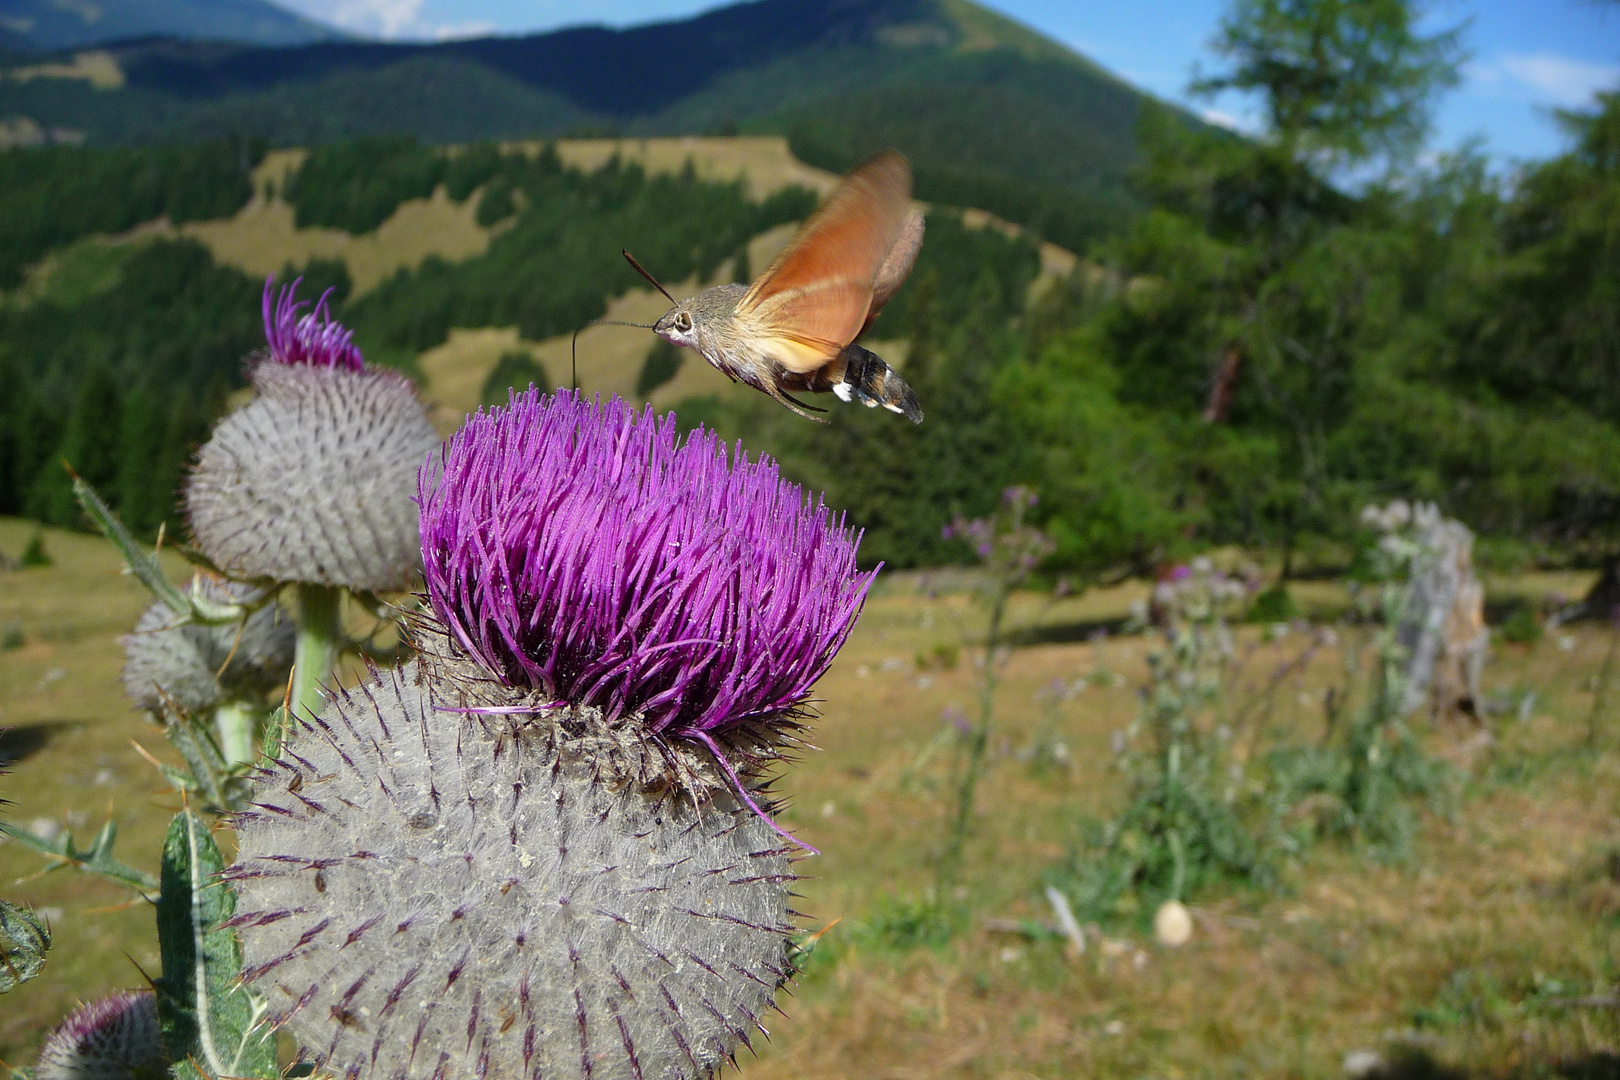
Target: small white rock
[1359, 1063]
[1172, 924]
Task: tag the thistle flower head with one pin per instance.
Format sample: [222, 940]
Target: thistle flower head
[313, 480]
[311, 338]
[587, 551]
[115, 1038]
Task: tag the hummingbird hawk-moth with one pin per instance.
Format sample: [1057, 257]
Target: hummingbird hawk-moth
[794, 329]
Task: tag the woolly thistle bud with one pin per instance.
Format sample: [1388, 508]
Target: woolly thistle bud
[536, 849]
[116, 1038]
[167, 659]
[312, 480]
[426, 895]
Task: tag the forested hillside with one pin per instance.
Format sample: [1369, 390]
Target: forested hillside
[992, 114]
[1248, 363]
[115, 357]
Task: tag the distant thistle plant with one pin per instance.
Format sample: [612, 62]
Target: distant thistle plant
[115, 1038]
[312, 480]
[541, 848]
[169, 661]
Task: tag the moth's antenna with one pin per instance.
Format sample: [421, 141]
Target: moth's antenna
[649, 277]
[573, 347]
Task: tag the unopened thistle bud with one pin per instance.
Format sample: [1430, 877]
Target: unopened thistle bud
[116, 1038]
[312, 480]
[541, 848]
[170, 661]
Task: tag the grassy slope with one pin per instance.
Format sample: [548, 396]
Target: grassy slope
[1515, 886]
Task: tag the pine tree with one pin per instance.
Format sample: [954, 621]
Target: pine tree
[136, 491]
[89, 446]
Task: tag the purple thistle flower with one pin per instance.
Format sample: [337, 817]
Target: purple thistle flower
[314, 338]
[115, 1038]
[585, 550]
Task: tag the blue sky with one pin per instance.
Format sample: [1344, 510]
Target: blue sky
[1527, 56]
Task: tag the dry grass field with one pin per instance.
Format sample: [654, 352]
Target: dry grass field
[1491, 953]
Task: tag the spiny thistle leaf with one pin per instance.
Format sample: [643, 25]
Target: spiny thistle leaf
[207, 1015]
[24, 941]
[96, 860]
[194, 606]
[143, 566]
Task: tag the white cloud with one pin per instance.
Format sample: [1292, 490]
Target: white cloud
[463, 30]
[1550, 78]
[388, 19]
[1221, 119]
[385, 18]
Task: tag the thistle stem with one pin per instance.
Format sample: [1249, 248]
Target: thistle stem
[316, 651]
[978, 742]
[234, 723]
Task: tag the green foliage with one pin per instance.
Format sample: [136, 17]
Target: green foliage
[120, 382]
[1113, 494]
[663, 363]
[1344, 78]
[1041, 142]
[356, 186]
[1191, 821]
[1522, 627]
[905, 924]
[24, 941]
[1361, 782]
[34, 554]
[516, 370]
[50, 196]
[1273, 605]
[209, 1018]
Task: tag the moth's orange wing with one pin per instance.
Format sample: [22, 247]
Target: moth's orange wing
[897, 267]
[814, 299]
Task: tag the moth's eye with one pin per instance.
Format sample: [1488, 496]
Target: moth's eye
[683, 322]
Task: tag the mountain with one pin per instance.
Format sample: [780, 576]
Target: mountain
[44, 25]
[991, 113]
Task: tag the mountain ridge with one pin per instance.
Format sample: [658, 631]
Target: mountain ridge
[992, 113]
[48, 25]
